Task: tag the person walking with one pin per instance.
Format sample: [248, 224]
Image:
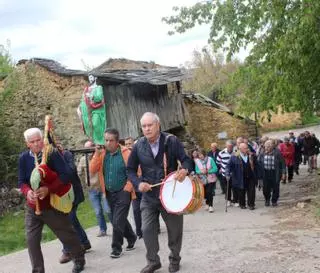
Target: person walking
[207, 169]
[110, 165]
[157, 153]
[273, 170]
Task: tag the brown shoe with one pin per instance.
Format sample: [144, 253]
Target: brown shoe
[65, 258]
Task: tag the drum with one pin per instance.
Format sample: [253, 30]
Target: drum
[184, 198]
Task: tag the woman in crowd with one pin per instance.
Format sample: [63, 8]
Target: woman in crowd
[206, 169]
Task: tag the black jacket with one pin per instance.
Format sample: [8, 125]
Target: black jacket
[152, 169]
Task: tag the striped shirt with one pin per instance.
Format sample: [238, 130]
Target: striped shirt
[115, 173]
[223, 159]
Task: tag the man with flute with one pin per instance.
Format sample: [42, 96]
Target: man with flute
[56, 174]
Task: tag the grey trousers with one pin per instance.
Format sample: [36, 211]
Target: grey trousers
[150, 212]
[60, 224]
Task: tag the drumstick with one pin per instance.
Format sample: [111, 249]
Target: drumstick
[175, 181]
[174, 187]
[158, 184]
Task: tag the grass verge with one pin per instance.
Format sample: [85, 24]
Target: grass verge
[13, 232]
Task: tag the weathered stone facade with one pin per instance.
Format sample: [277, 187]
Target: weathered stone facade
[206, 122]
[40, 92]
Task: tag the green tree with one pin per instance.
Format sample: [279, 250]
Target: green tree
[210, 74]
[6, 62]
[9, 147]
[282, 67]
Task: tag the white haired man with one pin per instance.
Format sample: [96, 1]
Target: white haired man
[60, 174]
[273, 170]
[149, 153]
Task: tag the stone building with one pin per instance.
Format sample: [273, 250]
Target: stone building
[209, 121]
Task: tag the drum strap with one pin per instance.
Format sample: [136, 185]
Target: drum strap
[165, 159]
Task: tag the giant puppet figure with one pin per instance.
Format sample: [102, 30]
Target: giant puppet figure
[92, 111]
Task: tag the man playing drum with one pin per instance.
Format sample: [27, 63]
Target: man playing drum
[158, 154]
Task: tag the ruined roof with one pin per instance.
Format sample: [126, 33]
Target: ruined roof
[199, 98]
[158, 76]
[54, 67]
[126, 64]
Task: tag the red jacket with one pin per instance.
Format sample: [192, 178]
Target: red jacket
[287, 151]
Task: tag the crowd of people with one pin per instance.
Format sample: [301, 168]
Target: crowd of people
[125, 175]
[244, 165]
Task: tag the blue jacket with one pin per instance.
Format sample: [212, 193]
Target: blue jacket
[234, 169]
[55, 163]
[152, 169]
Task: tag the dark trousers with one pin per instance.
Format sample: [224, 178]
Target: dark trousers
[137, 213]
[305, 159]
[296, 165]
[120, 204]
[250, 191]
[209, 192]
[223, 184]
[150, 212]
[290, 172]
[271, 185]
[60, 224]
[235, 194]
[228, 192]
[78, 228]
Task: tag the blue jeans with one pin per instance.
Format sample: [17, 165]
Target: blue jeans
[101, 206]
[78, 228]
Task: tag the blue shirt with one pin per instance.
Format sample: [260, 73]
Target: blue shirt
[155, 147]
[244, 157]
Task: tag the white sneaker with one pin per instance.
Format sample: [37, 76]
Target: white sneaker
[228, 204]
[211, 209]
[207, 207]
[236, 204]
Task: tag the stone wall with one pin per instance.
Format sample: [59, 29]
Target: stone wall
[31, 93]
[38, 93]
[279, 120]
[205, 123]
[10, 200]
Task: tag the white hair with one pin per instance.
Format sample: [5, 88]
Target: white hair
[31, 132]
[229, 142]
[154, 116]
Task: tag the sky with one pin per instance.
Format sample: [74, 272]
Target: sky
[74, 32]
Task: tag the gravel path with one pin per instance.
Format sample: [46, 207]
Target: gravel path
[281, 134]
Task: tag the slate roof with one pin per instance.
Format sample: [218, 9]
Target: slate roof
[157, 76]
[151, 76]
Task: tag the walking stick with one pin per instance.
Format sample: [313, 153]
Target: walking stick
[87, 169]
[227, 193]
